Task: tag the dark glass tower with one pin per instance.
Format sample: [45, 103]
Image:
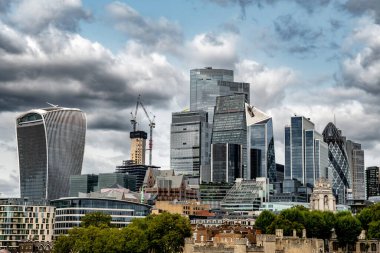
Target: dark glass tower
[338, 162]
[50, 146]
[262, 149]
[230, 125]
[189, 142]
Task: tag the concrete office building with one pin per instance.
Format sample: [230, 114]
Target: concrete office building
[306, 154]
[357, 170]
[189, 142]
[21, 220]
[138, 146]
[50, 145]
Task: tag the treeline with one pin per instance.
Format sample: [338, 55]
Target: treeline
[156, 233]
[320, 224]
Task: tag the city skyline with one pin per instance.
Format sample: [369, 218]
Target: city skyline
[313, 58]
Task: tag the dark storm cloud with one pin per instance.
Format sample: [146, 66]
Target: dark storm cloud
[4, 5]
[8, 43]
[160, 33]
[360, 7]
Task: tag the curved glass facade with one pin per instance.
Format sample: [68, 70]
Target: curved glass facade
[338, 162]
[69, 211]
[50, 147]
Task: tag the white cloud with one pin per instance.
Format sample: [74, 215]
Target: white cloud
[210, 49]
[268, 85]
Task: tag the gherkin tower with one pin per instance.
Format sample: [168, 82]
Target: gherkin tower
[339, 171]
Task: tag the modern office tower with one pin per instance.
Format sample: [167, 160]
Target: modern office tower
[339, 170]
[69, 211]
[138, 146]
[229, 126]
[82, 183]
[306, 154]
[125, 180]
[373, 181]
[50, 146]
[213, 193]
[208, 83]
[260, 145]
[226, 162]
[189, 142]
[355, 156]
[22, 220]
[246, 195]
[138, 170]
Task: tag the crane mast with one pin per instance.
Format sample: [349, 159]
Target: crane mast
[134, 115]
[152, 125]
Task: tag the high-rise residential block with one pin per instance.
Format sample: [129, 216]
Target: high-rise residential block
[306, 154]
[339, 170]
[260, 145]
[373, 181]
[355, 156]
[23, 220]
[208, 83]
[50, 146]
[138, 146]
[189, 142]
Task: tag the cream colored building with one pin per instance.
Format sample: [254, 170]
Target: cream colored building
[191, 207]
[322, 198]
[138, 146]
[23, 220]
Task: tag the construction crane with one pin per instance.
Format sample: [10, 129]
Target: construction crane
[134, 115]
[152, 125]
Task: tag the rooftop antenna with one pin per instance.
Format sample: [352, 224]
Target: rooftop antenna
[334, 120]
[51, 104]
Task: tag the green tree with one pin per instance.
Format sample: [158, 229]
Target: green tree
[314, 224]
[96, 219]
[347, 229]
[167, 232]
[286, 225]
[374, 230]
[264, 220]
[365, 217]
[329, 220]
[294, 214]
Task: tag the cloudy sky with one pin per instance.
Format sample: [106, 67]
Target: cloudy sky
[317, 58]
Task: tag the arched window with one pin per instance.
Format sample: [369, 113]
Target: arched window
[373, 247]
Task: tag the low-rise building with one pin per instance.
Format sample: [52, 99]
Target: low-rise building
[121, 206]
[21, 219]
[191, 207]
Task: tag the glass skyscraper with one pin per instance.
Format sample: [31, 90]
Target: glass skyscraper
[261, 156]
[339, 170]
[208, 83]
[356, 161]
[229, 125]
[50, 146]
[306, 154]
[189, 142]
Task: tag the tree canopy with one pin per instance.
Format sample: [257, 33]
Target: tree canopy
[156, 233]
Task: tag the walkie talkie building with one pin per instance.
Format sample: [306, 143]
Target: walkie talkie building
[50, 146]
